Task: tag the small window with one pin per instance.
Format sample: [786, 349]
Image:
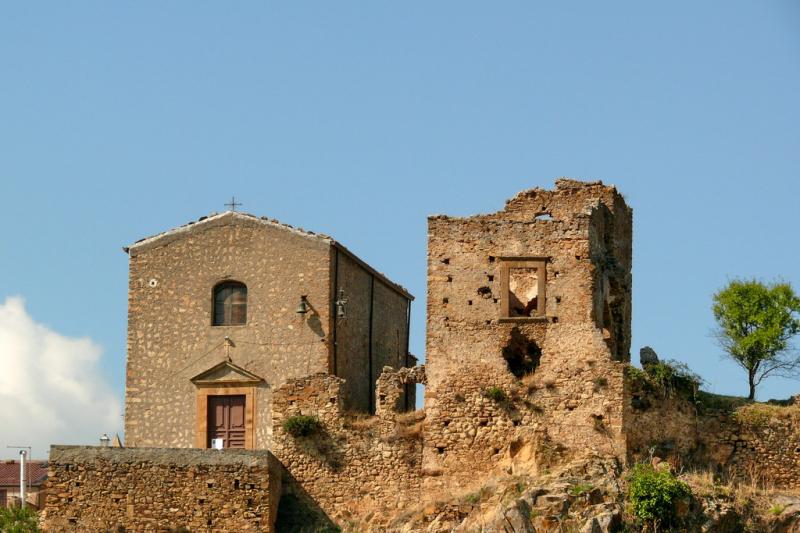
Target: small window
[230, 304]
[523, 285]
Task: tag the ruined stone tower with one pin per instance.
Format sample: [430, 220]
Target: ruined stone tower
[528, 329]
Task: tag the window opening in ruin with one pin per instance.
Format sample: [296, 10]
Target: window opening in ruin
[544, 216]
[522, 354]
[230, 304]
[523, 291]
[523, 287]
[419, 396]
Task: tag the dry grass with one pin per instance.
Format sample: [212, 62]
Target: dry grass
[359, 422]
[411, 417]
[758, 415]
[752, 498]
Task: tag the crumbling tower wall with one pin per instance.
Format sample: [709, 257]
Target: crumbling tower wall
[528, 332]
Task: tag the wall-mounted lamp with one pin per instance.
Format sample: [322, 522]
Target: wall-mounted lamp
[341, 310]
[302, 309]
[104, 440]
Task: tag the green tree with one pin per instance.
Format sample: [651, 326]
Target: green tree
[756, 322]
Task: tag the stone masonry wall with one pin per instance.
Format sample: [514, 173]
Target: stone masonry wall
[353, 466]
[170, 336]
[374, 333]
[756, 442]
[575, 393]
[149, 489]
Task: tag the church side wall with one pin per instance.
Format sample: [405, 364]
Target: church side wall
[101, 489]
[374, 333]
[389, 331]
[352, 333]
[170, 334]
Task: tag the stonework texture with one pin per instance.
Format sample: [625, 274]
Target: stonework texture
[572, 387]
[101, 489]
[756, 443]
[351, 466]
[171, 338]
[527, 366]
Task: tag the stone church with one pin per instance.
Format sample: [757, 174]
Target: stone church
[225, 310]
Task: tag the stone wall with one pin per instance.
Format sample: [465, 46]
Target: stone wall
[156, 489]
[559, 373]
[170, 334]
[373, 334]
[753, 442]
[353, 465]
[171, 338]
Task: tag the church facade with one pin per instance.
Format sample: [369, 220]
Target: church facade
[223, 311]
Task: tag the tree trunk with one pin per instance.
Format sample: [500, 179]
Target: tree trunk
[751, 379]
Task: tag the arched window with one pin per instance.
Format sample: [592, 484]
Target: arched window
[230, 304]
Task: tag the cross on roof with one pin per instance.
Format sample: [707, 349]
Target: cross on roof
[232, 204]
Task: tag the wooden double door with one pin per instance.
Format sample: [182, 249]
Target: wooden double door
[226, 420]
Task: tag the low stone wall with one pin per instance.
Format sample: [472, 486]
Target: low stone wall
[758, 442]
[353, 466]
[754, 442]
[160, 489]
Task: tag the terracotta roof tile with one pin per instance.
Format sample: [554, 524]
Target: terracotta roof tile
[9, 472]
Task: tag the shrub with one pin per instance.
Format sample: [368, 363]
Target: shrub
[580, 488]
[653, 494]
[301, 425]
[777, 509]
[496, 394]
[18, 520]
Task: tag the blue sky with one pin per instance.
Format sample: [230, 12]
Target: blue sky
[358, 119]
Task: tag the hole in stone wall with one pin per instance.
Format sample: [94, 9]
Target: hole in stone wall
[440, 449]
[523, 291]
[235, 483]
[491, 278]
[445, 300]
[522, 354]
[449, 279]
[446, 261]
[485, 292]
[249, 502]
[545, 216]
[469, 302]
[491, 259]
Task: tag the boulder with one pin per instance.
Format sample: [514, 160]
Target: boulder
[648, 356]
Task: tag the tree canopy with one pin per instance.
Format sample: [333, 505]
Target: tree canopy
[756, 322]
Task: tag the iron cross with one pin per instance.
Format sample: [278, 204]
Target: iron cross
[232, 204]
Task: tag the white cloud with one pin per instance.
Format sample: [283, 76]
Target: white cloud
[51, 389]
